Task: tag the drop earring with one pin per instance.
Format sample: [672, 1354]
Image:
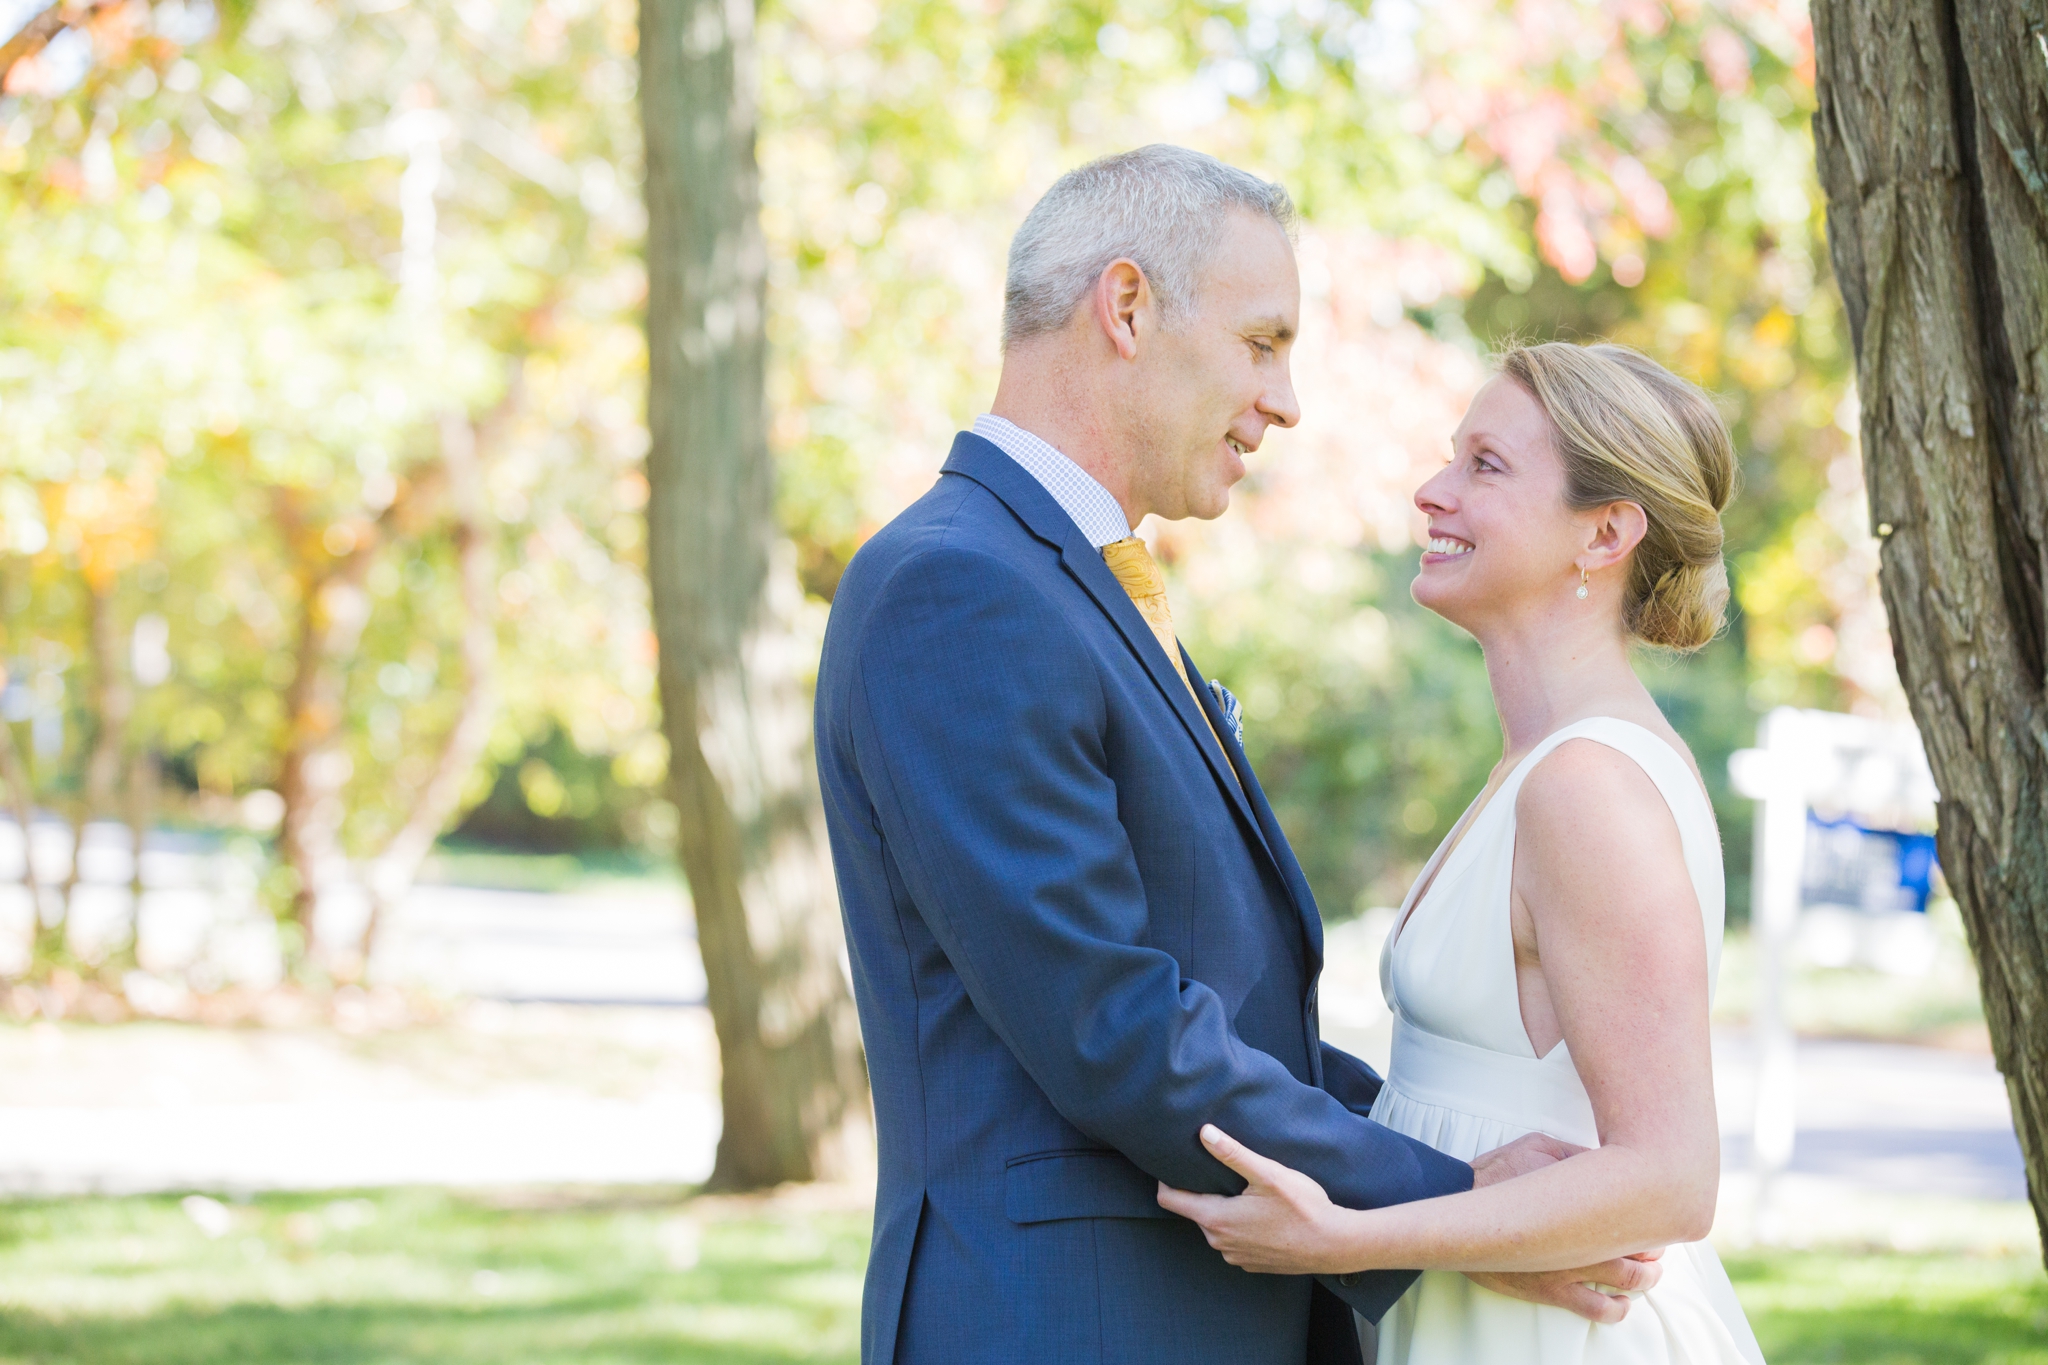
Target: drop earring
[1582, 584]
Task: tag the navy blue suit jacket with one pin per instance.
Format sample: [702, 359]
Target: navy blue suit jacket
[1077, 934]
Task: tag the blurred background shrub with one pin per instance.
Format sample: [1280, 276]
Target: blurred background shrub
[319, 338]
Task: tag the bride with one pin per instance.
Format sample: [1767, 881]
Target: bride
[1551, 969]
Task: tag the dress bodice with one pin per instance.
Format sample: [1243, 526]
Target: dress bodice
[1449, 967]
[1465, 1079]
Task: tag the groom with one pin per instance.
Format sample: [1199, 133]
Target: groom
[1077, 932]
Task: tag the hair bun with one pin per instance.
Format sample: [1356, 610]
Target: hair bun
[1685, 608]
[1629, 430]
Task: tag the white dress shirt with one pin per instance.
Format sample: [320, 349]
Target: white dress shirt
[1094, 509]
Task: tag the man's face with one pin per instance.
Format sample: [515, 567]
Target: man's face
[1220, 378]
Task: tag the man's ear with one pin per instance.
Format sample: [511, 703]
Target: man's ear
[1617, 529]
[1123, 305]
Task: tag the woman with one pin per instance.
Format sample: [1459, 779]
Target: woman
[1552, 967]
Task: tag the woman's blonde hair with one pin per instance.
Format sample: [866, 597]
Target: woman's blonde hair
[1629, 430]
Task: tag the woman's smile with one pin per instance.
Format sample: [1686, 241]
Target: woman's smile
[1443, 549]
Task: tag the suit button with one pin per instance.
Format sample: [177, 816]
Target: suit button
[1348, 1281]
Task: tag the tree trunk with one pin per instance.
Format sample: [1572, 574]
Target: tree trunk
[112, 700]
[393, 871]
[1932, 135]
[333, 609]
[143, 782]
[21, 804]
[313, 770]
[733, 675]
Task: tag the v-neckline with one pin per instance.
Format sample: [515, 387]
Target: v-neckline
[1434, 870]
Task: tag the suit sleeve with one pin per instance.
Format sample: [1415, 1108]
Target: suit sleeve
[1354, 1084]
[977, 725]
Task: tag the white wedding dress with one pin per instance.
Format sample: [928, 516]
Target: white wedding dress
[1465, 1079]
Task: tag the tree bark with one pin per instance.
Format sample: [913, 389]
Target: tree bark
[392, 872]
[21, 804]
[1932, 137]
[333, 609]
[112, 701]
[143, 783]
[733, 675]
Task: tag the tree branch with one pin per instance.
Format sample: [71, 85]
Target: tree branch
[465, 447]
[36, 34]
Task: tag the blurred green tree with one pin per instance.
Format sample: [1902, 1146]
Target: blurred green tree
[354, 397]
[283, 260]
[1468, 170]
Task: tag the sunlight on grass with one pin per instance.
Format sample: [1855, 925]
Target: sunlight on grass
[426, 1277]
[1813, 1307]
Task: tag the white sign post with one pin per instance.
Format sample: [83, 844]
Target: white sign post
[1872, 770]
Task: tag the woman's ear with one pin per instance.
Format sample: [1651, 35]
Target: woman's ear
[1617, 529]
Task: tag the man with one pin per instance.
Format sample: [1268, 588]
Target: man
[1076, 930]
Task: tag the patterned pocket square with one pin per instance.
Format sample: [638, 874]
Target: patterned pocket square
[1233, 712]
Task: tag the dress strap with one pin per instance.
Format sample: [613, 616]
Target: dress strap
[1699, 835]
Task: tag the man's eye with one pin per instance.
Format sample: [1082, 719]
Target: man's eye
[1263, 348]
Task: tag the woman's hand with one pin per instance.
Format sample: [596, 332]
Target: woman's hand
[1283, 1223]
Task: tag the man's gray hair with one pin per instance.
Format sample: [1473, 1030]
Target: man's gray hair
[1161, 207]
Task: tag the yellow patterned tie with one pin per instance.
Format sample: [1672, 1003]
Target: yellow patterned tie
[1139, 574]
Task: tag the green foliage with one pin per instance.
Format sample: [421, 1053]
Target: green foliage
[1368, 719]
[1604, 170]
[246, 283]
[222, 366]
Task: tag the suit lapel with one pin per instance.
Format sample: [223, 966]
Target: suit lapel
[987, 465]
[1085, 563]
[1269, 825]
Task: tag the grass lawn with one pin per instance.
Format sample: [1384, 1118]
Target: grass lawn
[425, 1277]
[1895, 1309]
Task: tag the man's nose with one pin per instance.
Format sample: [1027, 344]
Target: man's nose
[1278, 404]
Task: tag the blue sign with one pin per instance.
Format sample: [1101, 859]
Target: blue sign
[1869, 870]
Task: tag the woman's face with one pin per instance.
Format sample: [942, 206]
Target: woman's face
[1502, 540]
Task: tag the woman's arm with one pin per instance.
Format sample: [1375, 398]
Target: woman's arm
[1605, 902]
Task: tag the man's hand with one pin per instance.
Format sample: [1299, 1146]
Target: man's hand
[1530, 1152]
[1573, 1290]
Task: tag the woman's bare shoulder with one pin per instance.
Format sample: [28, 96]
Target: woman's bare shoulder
[1586, 798]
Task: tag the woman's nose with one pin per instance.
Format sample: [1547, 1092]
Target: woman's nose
[1433, 497]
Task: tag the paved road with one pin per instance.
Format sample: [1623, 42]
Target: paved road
[622, 948]
[315, 1109]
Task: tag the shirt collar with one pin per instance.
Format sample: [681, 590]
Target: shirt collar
[1094, 509]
